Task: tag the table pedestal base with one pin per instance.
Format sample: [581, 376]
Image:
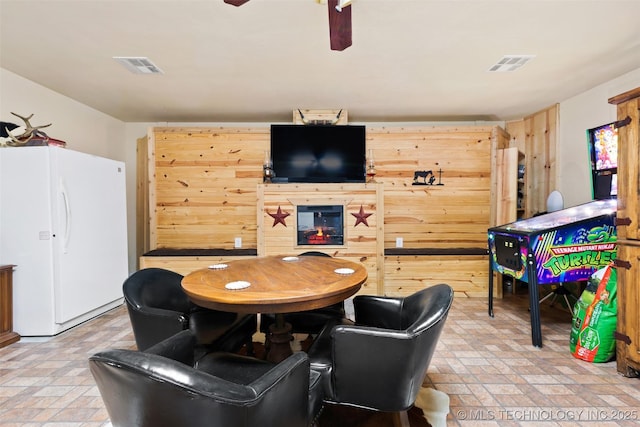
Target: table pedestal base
[279, 342]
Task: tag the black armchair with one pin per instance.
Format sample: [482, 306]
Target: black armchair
[158, 308]
[380, 362]
[167, 386]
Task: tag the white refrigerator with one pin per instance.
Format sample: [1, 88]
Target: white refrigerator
[63, 224]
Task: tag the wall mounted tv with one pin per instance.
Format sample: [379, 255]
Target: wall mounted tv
[603, 150]
[318, 153]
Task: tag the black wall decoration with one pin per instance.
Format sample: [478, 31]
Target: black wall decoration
[427, 178]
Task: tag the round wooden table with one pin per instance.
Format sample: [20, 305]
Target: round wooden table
[275, 284]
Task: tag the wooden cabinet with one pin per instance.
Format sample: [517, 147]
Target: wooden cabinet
[7, 336]
[536, 136]
[510, 189]
[522, 186]
[628, 216]
[507, 185]
[628, 328]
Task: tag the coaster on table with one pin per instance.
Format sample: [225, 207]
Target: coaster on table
[290, 258]
[344, 271]
[240, 284]
[218, 266]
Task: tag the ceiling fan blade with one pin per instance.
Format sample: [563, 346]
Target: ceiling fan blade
[236, 2]
[339, 26]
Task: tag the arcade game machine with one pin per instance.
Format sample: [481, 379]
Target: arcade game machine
[566, 245]
[562, 246]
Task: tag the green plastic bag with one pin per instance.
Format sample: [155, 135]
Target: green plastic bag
[594, 318]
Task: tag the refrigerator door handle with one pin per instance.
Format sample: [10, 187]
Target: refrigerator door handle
[67, 216]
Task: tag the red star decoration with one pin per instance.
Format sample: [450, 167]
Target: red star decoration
[361, 217]
[279, 217]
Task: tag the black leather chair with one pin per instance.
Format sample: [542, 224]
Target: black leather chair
[311, 321]
[380, 362]
[168, 386]
[158, 308]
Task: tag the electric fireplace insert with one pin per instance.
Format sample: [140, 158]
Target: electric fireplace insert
[320, 225]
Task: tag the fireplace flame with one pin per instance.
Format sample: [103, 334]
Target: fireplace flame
[319, 233]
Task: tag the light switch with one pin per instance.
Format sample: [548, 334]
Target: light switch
[238, 242]
[399, 242]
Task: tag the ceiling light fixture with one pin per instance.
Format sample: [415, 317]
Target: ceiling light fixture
[511, 63]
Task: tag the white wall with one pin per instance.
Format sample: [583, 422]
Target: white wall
[83, 128]
[584, 111]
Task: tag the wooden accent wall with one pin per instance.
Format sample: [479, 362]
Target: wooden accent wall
[453, 215]
[538, 134]
[203, 189]
[406, 274]
[506, 185]
[203, 185]
[142, 197]
[185, 264]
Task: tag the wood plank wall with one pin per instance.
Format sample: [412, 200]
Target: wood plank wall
[203, 181]
[142, 197]
[406, 274]
[453, 215]
[536, 135]
[205, 185]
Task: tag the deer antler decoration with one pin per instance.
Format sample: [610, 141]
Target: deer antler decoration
[28, 133]
[319, 121]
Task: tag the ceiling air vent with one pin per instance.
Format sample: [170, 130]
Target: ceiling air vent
[511, 62]
[138, 65]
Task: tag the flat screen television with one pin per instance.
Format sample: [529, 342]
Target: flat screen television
[318, 153]
[603, 150]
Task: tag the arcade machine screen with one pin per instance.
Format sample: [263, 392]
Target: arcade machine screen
[603, 150]
[567, 245]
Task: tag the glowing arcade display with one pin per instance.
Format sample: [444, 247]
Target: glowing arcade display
[604, 140]
[603, 150]
[568, 245]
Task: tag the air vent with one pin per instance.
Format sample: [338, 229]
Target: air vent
[138, 65]
[511, 63]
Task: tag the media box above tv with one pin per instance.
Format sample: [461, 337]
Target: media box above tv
[318, 153]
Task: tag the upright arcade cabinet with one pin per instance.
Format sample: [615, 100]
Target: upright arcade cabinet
[562, 246]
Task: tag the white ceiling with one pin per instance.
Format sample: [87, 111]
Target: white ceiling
[424, 60]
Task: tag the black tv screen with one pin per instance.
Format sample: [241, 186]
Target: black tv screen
[318, 153]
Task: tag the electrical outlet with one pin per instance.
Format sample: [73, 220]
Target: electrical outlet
[399, 242]
[237, 243]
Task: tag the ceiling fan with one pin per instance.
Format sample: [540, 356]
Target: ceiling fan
[339, 22]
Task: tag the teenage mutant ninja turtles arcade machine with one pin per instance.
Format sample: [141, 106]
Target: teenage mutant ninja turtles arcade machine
[562, 246]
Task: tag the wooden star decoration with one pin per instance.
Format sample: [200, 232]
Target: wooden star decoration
[278, 217]
[361, 217]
